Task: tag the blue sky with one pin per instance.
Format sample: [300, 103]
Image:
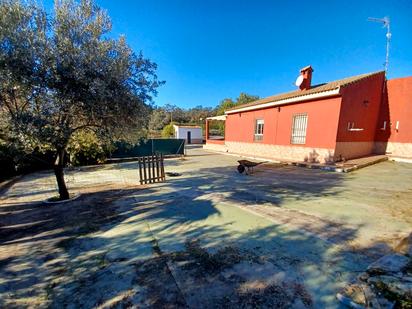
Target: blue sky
[210, 50]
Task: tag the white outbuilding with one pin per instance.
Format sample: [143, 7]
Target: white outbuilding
[192, 134]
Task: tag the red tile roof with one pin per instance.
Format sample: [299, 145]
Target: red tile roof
[314, 89]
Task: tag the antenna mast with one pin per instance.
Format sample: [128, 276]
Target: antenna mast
[386, 24]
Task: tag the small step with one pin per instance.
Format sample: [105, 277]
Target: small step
[347, 166]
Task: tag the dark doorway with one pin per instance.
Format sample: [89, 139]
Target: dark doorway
[189, 137]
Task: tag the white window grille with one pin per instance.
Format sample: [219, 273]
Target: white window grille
[299, 125]
[260, 123]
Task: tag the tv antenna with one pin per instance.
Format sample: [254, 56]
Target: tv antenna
[386, 24]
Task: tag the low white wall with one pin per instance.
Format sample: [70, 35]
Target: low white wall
[215, 147]
[352, 150]
[280, 152]
[400, 150]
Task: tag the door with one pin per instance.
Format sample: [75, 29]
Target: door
[189, 137]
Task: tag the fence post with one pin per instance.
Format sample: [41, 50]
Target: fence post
[181, 144]
[157, 168]
[162, 169]
[139, 160]
[150, 169]
[144, 170]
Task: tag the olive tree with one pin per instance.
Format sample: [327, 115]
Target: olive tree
[62, 73]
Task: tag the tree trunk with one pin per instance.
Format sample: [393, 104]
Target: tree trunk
[58, 171]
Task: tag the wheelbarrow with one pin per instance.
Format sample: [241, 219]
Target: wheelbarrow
[246, 165]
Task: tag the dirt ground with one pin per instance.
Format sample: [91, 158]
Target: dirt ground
[285, 237]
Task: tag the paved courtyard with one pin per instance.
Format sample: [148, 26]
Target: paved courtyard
[283, 237]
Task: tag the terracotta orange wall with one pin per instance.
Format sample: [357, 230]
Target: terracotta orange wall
[355, 109]
[323, 116]
[396, 106]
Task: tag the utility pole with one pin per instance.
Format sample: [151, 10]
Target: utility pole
[386, 24]
[169, 107]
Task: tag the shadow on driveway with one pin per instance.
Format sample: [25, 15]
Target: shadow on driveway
[121, 246]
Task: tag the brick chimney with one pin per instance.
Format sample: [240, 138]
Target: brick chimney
[306, 72]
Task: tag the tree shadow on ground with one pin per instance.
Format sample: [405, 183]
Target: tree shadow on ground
[102, 263]
[117, 246]
[37, 235]
[266, 184]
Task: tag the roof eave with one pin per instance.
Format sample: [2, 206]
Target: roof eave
[219, 118]
[303, 98]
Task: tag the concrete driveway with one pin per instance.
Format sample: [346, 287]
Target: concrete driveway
[283, 237]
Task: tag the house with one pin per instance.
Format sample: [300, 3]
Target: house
[394, 132]
[192, 134]
[339, 120]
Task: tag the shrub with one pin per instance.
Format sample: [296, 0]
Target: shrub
[14, 161]
[168, 131]
[86, 149]
[8, 166]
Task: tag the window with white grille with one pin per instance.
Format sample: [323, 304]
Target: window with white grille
[299, 125]
[260, 123]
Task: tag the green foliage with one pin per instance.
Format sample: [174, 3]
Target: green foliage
[7, 163]
[228, 103]
[198, 114]
[161, 116]
[224, 105]
[63, 73]
[158, 119]
[218, 127]
[245, 98]
[14, 160]
[86, 149]
[168, 131]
